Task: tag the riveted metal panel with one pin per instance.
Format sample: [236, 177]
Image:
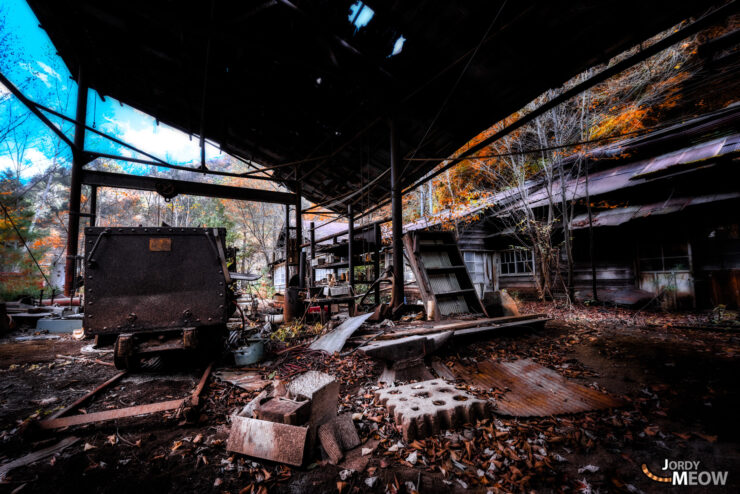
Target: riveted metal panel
[149, 278]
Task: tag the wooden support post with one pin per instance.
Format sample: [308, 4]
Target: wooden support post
[396, 217]
[75, 186]
[299, 228]
[312, 236]
[93, 204]
[350, 248]
[287, 244]
[335, 270]
[287, 308]
[376, 261]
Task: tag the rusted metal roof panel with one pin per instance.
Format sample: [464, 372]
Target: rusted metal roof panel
[533, 390]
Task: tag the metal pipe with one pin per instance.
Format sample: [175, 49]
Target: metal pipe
[75, 186]
[350, 248]
[396, 216]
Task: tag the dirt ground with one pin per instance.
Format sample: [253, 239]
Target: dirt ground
[679, 386]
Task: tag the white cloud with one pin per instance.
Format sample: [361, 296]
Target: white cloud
[49, 70]
[160, 140]
[34, 162]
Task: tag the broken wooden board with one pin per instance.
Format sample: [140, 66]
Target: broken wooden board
[334, 341]
[533, 390]
[493, 321]
[30, 458]
[267, 440]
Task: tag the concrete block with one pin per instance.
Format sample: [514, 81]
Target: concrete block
[323, 391]
[267, 440]
[284, 410]
[423, 409]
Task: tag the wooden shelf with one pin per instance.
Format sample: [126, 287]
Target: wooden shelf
[338, 265]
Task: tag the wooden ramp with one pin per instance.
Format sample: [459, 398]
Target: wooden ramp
[444, 281]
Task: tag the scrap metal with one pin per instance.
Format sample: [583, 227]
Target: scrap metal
[533, 390]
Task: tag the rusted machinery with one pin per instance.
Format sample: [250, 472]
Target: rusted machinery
[157, 290]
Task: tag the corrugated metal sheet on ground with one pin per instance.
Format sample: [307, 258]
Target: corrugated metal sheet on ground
[533, 390]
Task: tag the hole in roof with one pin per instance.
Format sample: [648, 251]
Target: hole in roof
[397, 46]
[360, 15]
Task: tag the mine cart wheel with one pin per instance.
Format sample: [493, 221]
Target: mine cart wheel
[124, 357]
[151, 364]
[126, 363]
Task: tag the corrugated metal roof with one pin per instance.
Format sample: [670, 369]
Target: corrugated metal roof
[614, 217]
[633, 173]
[533, 390]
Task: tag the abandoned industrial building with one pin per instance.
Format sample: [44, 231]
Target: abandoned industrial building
[360, 246]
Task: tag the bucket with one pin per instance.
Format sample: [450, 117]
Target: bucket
[251, 353]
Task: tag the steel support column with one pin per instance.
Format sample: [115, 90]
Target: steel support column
[299, 227]
[396, 216]
[376, 261]
[312, 236]
[350, 248]
[75, 186]
[287, 244]
[287, 306]
[93, 205]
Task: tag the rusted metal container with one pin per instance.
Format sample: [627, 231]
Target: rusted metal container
[147, 279]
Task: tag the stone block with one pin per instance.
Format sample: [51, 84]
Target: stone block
[423, 409]
[323, 392]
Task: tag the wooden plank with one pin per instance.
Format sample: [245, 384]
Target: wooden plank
[492, 321]
[421, 280]
[79, 401]
[90, 418]
[36, 456]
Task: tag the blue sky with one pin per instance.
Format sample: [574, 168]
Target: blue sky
[30, 62]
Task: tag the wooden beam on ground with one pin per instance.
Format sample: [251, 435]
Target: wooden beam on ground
[79, 401]
[164, 406]
[475, 323]
[137, 182]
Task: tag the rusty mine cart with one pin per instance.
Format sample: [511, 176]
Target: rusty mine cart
[159, 291]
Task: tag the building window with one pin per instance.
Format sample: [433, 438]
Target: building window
[515, 261]
[475, 262]
[279, 280]
[664, 256]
